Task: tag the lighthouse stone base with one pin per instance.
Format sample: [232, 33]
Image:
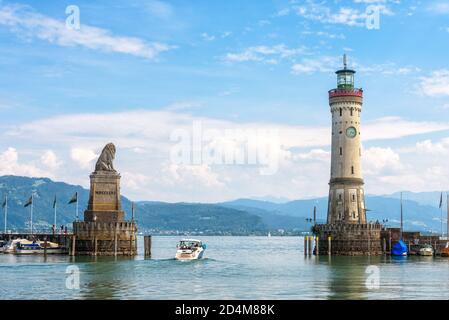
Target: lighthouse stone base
[349, 239]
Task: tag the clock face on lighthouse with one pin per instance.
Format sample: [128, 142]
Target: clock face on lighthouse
[351, 132]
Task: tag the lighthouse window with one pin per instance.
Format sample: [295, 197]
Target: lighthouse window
[351, 112]
[341, 151]
[352, 170]
[341, 112]
[339, 197]
[353, 197]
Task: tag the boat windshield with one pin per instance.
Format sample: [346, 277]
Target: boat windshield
[189, 244]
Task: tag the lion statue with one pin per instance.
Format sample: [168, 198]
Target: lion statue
[104, 162]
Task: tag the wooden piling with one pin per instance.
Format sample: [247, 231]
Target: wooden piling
[317, 246]
[45, 247]
[115, 240]
[147, 245]
[310, 245]
[305, 245]
[329, 245]
[95, 246]
[389, 243]
[73, 249]
[384, 245]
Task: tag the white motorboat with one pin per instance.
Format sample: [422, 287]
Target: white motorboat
[2, 245]
[38, 248]
[11, 245]
[190, 249]
[426, 250]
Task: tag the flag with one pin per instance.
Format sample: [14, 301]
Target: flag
[30, 201]
[54, 203]
[74, 198]
[441, 200]
[5, 202]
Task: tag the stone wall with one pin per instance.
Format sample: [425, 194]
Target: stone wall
[101, 238]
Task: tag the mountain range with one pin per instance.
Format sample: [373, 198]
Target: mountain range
[237, 217]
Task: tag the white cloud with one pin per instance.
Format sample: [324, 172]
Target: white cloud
[436, 84]
[27, 23]
[50, 160]
[431, 148]
[207, 37]
[321, 64]
[378, 161]
[10, 165]
[83, 157]
[266, 54]
[439, 7]
[143, 145]
[159, 9]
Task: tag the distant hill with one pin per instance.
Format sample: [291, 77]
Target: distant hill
[238, 217]
[157, 217]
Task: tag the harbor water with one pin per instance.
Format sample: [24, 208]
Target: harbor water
[234, 268]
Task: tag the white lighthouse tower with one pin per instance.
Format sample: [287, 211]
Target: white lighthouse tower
[347, 231]
[346, 196]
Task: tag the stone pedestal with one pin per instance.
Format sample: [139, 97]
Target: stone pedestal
[349, 239]
[104, 200]
[104, 230]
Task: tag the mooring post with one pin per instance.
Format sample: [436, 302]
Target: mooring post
[45, 247]
[409, 245]
[95, 246]
[305, 245]
[317, 246]
[389, 242]
[310, 245]
[384, 245]
[147, 246]
[72, 252]
[115, 240]
[329, 245]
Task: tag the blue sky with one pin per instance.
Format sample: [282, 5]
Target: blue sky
[137, 71]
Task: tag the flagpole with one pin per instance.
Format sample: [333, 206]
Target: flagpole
[447, 222]
[55, 215]
[31, 214]
[6, 212]
[401, 217]
[77, 207]
[132, 212]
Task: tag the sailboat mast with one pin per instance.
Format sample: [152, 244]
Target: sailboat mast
[447, 222]
[401, 217]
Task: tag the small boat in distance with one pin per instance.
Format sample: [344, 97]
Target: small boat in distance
[399, 249]
[426, 250]
[190, 249]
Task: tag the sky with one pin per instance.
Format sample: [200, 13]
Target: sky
[209, 101]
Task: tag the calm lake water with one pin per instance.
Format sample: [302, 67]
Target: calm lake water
[234, 268]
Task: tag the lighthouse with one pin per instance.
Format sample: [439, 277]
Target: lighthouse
[347, 230]
[346, 195]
